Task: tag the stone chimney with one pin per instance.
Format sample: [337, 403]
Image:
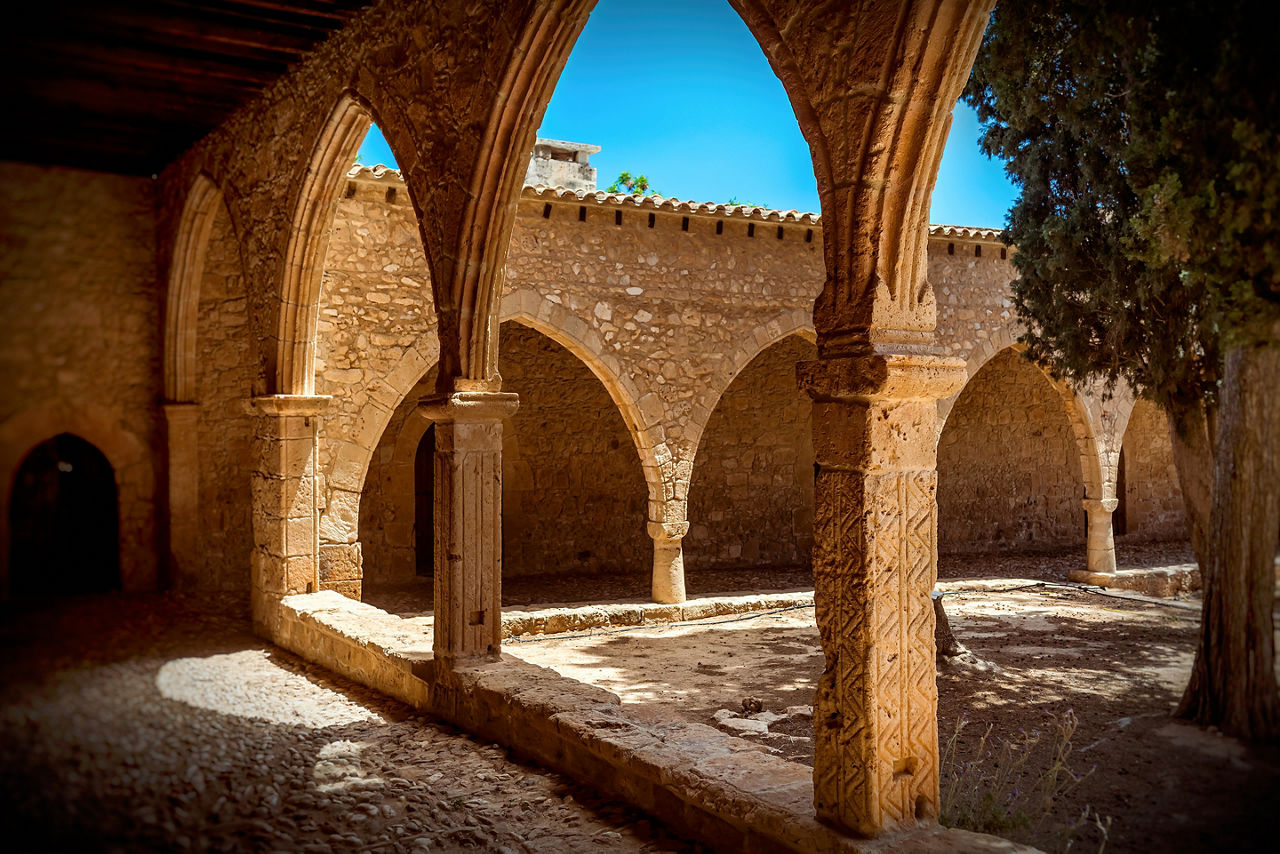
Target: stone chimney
[562, 164]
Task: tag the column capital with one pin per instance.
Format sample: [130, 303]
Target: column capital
[872, 376]
[1100, 505]
[672, 531]
[285, 405]
[469, 406]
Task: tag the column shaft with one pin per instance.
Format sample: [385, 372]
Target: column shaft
[468, 521]
[286, 516]
[875, 563]
[668, 561]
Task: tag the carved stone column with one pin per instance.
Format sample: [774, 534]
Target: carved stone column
[286, 515]
[668, 561]
[468, 520]
[1101, 554]
[182, 425]
[874, 565]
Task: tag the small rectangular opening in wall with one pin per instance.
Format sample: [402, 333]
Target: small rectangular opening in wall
[977, 252]
[652, 220]
[684, 223]
[1004, 254]
[582, 214]
[546, 211]
[351, 189]
[617, 217]
[751, 229]
[391, 195]
[779, 232]
[808, 235]
[719, 226]
[951, 249]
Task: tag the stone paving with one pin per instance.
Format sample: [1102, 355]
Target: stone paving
[132, 724]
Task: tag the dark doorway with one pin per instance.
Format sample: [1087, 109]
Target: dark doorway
[1120, 518]
[424, 503]
[64, 521]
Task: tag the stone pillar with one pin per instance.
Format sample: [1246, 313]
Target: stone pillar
[668, 561]
[286, 513]
[468, 521]
[1100, 566]
[874, 564]
[182, 425]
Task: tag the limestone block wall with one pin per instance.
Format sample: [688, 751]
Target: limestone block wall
[573, 493]
[225, 371]
[1153, 505]
[1008, 465]
[751, 500]
[80, 336]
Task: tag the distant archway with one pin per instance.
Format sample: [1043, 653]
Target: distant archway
[751, 494]
[1148, 487]
[64, 521]
[1009, 465]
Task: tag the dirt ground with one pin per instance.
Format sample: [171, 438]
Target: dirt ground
[1117, 663]
[136, 724]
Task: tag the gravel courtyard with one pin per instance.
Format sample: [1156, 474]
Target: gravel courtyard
[136, 724]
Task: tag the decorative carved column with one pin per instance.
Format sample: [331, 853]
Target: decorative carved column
[1101, 555]
[286, 515]
[668, 561]
[874, 564]
[182, 425]
[468, 520]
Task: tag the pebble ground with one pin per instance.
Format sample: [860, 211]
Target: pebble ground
[141, 724]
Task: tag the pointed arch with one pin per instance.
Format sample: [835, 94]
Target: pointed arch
[183, 296]
[128, 455]
[331, 158]
[640, 412]
[490, 212]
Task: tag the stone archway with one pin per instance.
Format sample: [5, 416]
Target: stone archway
[129, 459]
[1151, 496]
[751, 494]
[1008, 463]
[63, 521]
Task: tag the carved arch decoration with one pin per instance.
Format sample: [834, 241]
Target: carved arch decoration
[130, 458]
[322, 183]
[876, 113]
[641, 412]
[182, 299]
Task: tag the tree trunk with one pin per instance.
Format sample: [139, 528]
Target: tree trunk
[1233, 682]
[946, 641]
[1192, 435]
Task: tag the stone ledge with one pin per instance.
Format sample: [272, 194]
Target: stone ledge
[1163, 582]
[714, 786]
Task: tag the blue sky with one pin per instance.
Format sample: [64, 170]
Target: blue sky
[680, 91]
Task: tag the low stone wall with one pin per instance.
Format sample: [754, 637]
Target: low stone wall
[713, 786]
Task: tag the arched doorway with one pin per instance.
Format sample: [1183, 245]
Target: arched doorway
[1008, 464]
[64, 521]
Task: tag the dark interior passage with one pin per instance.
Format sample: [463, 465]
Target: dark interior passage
[64, 521]
[424, 502]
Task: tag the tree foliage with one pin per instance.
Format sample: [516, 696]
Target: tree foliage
[1144, 139]
[635, 184]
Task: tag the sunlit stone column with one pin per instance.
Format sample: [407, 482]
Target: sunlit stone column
[468, 521]
[874, 565]
[668, 561]
[286, 515]
[181, 427]
[1101, 553]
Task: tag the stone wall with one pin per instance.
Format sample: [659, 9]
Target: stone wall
[80, 336]
[1008, 465]
[751, 501]
[1153, 505]
[573, 494]
[225, 370]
